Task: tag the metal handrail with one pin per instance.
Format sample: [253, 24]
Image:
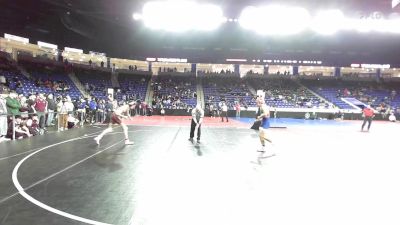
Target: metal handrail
[13, 116]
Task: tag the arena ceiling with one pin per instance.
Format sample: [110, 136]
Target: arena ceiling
[107, 26]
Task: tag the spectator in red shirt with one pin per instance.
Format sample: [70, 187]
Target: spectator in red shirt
[237, 106]
[143, 106]
[368, 114]
[41, 109]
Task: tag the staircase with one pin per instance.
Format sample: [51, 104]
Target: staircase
[78, 84]
[312, 92]
[200, 93]
[114, 80]
[355, 103]
[149, 93]
[251, 89]
[23, 71]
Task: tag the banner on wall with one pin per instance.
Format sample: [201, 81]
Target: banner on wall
[47, 45]
[97, 53]
[370, 66]
[75, 50]
[16, 38]
[170, 60]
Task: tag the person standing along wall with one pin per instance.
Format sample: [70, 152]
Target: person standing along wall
[62, 113]
[51, 108]
[224, 109]
[237, 106]
[3, 118]
[41, 109]
[13, 105]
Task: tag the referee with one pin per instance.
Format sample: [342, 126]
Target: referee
[368, 114]
[197, 120]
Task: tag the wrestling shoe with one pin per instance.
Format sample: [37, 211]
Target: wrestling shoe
[262, 149]
[97, 140]
[128, 142]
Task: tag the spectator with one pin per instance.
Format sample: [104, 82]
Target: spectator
[162, 111]
[108, 109]
[82, 111]
[3, 80]
[70, 105]
[72, 122]
[29, 104]
[149, 110]
[224, 109]
[33, 125]
[211, 110]
[21, 131]
[19, 84]
[100, 111]
[392, 117]
[92, 110]
[87, 88]
[51, 108]
[237, 106]
[62, 112]
[140, 108]
[13, 105]
[393, 94]
[3, 118]
[41, 109]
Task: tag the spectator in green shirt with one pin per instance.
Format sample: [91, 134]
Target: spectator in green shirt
[13, 105]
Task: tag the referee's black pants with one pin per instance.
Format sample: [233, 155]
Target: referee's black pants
[193, 126]
[224, 114]
[367, 119]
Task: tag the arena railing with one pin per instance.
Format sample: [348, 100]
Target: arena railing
[79, 116]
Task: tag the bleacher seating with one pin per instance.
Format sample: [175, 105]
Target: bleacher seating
[179, 91]
[40, 73]
[369, 92]
[97, 82]
[133, 86]
[282, 92]
[175, 91]
[228, 89]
